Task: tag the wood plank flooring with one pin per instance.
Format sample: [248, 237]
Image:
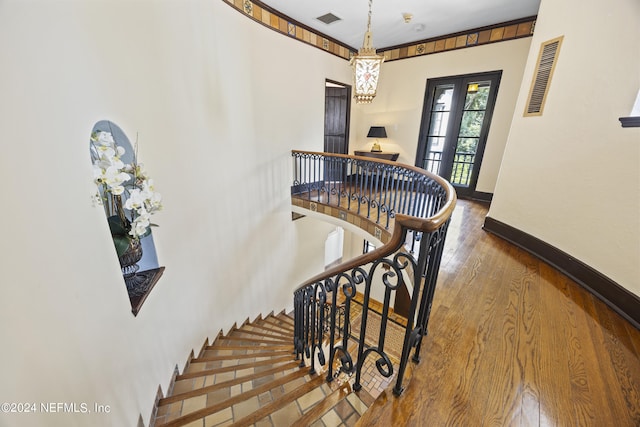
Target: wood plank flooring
[513, 342]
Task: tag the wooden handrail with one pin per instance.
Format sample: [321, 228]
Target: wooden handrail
[404, 193]
[402, 222]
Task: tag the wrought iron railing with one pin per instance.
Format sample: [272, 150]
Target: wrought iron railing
[415, 206]
[462, 168]
[433, 161]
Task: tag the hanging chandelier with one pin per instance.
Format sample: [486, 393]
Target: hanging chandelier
[366, 68]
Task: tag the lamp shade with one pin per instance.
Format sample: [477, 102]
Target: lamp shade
[377, 132]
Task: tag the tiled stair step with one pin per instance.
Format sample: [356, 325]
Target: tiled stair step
[222, 404]
[250, 332]
[285, 318]
[379, 404]
[329, 405]
[269, 331]
[280, 403]
[284, 328]
[278, 322]
[232, 368]
[345, 412]
[239, 338]
[218, 357]
[229, 383]
[250, 377]
[371, 380]
[322, 407]
[253, 348]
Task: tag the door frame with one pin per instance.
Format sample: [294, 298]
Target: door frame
[459, 81]
[347, 117]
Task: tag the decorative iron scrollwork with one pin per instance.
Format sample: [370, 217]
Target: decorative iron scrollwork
[378, 191]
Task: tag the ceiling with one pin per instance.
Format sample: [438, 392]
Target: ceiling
[430, 18]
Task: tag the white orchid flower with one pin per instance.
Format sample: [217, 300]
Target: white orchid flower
[98, 171]
[104, 138]
[155, 201]
[135, 200]
[117, 163]
[141, 224]
[117, 190]
[115, 178]
[138, 230]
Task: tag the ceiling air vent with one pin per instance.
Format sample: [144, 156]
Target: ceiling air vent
[547, 58]
[328, 18]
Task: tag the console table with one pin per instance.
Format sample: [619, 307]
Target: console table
[378, 155]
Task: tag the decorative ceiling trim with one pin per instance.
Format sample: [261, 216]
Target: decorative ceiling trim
[271, 18]
[471, 38]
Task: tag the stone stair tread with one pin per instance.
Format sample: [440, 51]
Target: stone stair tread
[228, 383]
[270, 331]
[250, 347]
[281, 402]
[261, 354]
[247, 330]
[253, 341]
[322, 407]
[227, 403]
[250, 376]
[236, 367]
[285, 317]
[378, 405]
[278, 323]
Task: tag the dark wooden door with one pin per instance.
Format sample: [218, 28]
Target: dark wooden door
[336, 126]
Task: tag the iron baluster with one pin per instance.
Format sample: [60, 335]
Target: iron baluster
[398, 191]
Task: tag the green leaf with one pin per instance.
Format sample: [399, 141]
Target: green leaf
[116, 226]
[122, 244]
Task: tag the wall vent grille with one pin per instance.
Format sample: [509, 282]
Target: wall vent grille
[547, 58]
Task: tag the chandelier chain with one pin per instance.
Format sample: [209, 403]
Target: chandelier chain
[369, 17]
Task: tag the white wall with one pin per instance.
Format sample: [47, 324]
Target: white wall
[400, 100]
[311, 241]
[217, 102]
[571, 177]
[333, 246]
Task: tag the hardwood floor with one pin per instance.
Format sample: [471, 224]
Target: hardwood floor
[513, 342]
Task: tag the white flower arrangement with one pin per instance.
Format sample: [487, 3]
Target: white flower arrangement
[116, 182]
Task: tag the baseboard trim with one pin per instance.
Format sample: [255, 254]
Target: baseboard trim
[482, 196]
[611, 293]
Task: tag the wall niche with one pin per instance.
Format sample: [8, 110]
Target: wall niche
[126, 193]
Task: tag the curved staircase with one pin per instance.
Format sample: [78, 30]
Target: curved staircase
[250, 376]
[272, 371]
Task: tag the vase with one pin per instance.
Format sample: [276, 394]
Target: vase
[129, 259]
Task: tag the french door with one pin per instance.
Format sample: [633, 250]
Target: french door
[455, 122]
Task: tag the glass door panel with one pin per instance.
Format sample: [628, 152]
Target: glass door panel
[473, 112]
[439, 123]
[455, 123]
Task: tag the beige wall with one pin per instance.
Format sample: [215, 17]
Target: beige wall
[400, 99]
[200, 84]
[571, 177]
[217, 103]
